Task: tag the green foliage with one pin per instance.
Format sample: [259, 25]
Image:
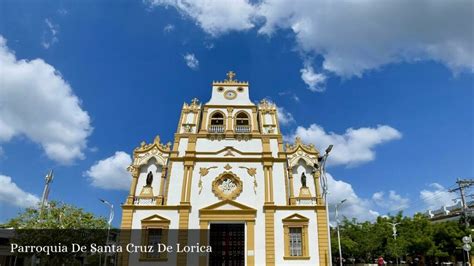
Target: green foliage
[417, 237]
[57, 215]
[58, 224]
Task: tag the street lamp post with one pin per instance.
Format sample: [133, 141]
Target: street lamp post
[111, 218]
[338, 235]
[324, 187]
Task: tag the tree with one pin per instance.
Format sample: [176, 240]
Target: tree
[57, 223]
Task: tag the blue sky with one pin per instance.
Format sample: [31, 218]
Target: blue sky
[391, 86]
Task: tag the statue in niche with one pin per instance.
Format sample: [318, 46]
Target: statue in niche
[149, 179]
[303, 180]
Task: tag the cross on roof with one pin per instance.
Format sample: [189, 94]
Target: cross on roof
[230, 75]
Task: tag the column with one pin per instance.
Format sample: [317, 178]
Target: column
[316, 187]
[250, 243]
[203, 226]
[292, 190]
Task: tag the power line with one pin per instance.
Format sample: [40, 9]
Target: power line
[462, 185]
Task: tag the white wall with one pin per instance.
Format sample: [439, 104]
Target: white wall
[176, 180]
[218, 98]
[207, 145]
[182, 146]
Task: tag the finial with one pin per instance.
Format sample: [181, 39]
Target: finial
[194, 101]
[230, 76]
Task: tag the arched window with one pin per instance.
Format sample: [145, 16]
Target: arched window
[217, 123]
[217, 119]
[242, 123]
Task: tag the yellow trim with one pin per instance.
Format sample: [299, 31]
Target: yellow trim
[229, 125]
[323, 243]
[155, 207]
[250, 242]
[204, 120]
[316, 187]
[219, 193]
[190, 182]
[241, 213]
[154, 222]
[168, 181]
[183, 234]
[203, 225]
[184, 183]
[269, 237]
[255, 121]
[270, 180]
[125, 235]
[164, 170]
[296, 221]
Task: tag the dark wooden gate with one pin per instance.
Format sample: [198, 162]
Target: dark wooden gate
[228, 245]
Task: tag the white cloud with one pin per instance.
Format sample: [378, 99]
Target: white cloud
[289, 94]
[36, 102]
[214, 16]
[356, 36]
[284, 117]
[352, 37]
[11, 194]
[355, 146]
[394, 201]
[191, 61]
[50, 34]
[316, 81]
[111, 173]
[354, 207]
[63, 11]
[168, 28]
[437, 196]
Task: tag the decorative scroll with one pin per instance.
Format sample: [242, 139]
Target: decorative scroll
[203, 172]
[252, 172]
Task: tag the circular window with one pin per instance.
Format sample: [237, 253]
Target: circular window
[240, 89]
[229, 95]
[220, 89]
[227, 186]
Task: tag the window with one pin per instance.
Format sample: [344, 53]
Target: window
[242, 119]
[217, 119]
[242, 123]
[295, 230]
[154, 231]
[295, 241]
[154, 237]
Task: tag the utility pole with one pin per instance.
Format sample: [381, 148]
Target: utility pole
[462, 184]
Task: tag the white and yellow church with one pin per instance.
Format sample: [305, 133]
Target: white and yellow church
[229, 173]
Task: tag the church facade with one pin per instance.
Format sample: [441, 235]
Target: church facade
[228, 172]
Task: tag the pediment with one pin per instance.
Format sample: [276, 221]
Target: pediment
[155, 218]
[295, 218]
[230, 151]
[227, 205]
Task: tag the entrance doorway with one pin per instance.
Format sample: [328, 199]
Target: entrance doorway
[228, 245]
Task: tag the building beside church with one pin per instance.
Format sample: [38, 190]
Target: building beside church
[228, 172]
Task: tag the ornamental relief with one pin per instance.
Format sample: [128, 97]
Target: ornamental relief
[227, 186]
